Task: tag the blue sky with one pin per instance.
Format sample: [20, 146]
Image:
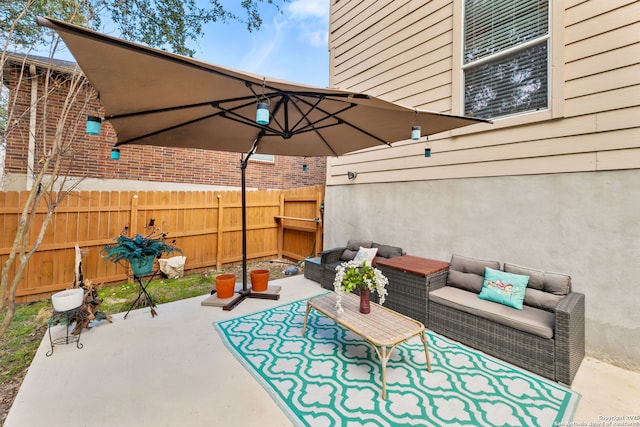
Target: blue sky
[292, 45]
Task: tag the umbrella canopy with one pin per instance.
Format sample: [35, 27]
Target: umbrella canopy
[152, 97]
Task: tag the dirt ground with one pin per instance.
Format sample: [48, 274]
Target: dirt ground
[9, 389]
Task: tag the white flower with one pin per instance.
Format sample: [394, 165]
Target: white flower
[351, 275]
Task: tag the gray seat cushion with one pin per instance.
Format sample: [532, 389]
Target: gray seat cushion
[532, 320]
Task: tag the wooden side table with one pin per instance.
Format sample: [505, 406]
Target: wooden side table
[411, 278]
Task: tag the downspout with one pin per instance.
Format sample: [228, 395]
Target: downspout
[31, 154]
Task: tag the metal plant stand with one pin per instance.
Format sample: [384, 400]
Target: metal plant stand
[142, 290]
[75, 314]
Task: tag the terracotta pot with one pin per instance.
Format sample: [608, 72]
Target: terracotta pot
[365, 303]
[225, 285]
[259, 280]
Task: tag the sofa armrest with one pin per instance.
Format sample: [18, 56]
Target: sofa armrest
[569, 336]
[440, 283]
[331, 255]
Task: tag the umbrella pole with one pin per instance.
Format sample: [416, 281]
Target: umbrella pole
[246, 292]
[243, 167]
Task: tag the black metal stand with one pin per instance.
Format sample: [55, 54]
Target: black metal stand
[246, 292]
[142, 290]
[75, 314]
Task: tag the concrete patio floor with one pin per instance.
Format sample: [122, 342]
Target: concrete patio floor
[173, 370]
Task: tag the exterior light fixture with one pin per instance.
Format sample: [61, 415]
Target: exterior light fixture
[352, 175]
[94, 125]
[115, 154]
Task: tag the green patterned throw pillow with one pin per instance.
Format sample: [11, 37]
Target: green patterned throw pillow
[504, 288]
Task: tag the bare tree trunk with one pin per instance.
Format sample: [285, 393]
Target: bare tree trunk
[49, 186]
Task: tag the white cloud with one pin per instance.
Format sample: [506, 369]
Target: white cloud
[302, 9]
[292, 45]
[264, 44]
[311, 17]
[316, 38]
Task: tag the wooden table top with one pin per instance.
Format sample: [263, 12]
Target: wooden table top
[381, 327]
[414, 264]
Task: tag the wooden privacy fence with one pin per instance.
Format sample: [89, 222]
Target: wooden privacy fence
[206, 226]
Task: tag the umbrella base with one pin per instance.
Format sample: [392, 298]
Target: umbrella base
[244, 294]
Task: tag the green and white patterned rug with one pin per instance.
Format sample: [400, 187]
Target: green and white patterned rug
[331, 377]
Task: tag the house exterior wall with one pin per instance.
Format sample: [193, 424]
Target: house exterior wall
[554, 190]
[140, 167]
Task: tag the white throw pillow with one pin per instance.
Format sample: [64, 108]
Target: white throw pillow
[365, 254]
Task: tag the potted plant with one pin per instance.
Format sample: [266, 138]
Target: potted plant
[352, 275]
[140, 251]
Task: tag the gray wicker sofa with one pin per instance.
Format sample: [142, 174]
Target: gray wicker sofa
[546, 337]
[331, 258]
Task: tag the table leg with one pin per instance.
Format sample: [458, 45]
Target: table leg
[306, 316]
[384, 358]
[426, 350]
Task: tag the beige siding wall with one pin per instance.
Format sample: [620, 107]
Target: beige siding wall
[407, 52]
[553, 190]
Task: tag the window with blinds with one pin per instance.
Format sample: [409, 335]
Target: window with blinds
[505, 57]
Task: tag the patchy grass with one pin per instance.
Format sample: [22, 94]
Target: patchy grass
[119, 298]
[22, 339]
[29, 324]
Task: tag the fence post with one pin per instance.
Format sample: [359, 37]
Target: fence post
[281, 227]
[220, 234]
[133, 216]
[319, 224]
[133, 227]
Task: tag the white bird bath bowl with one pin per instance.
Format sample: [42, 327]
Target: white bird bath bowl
[67, 300]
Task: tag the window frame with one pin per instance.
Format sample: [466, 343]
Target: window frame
[555, 78]
[262, 158]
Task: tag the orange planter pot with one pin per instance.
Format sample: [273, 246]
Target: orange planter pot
[225, 285]
[259, 280]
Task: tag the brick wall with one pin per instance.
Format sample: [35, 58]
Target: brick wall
[89, 155]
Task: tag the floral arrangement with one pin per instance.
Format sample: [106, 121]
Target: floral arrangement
[352, 275]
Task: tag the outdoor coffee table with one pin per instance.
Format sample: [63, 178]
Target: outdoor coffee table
[384, 329]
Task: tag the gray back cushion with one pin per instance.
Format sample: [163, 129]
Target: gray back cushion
[545, 289]
[352, 248]
[386, 251]
[468, 273]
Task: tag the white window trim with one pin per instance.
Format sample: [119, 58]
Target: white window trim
[556, 74]
[264, 159]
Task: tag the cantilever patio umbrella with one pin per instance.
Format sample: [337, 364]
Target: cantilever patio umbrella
[152, 97]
